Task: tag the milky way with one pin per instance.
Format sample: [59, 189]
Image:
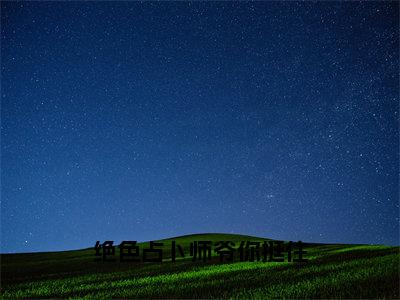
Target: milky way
[139, 121]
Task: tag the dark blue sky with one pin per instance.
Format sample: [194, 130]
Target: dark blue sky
[139, 121]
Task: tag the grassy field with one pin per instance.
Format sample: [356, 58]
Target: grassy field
[333, 271]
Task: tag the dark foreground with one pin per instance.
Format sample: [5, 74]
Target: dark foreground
[333, 271]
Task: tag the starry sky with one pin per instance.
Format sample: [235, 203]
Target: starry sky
[140, 121]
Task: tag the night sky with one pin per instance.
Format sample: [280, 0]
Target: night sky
[140, 121]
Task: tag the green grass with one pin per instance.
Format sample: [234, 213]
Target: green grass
[333, 271]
